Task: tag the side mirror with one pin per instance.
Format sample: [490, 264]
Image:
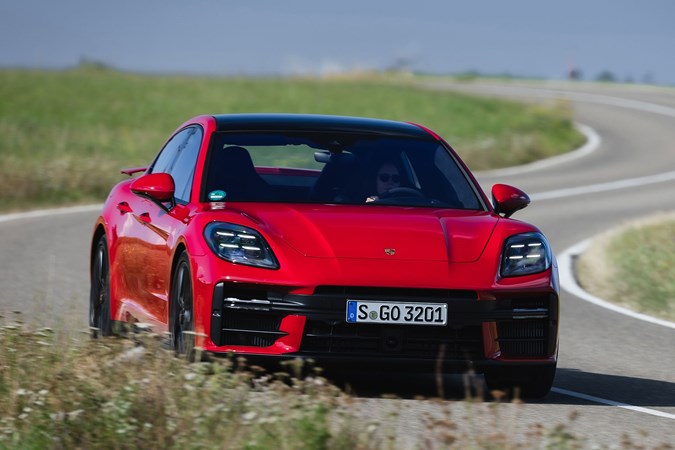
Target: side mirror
[508, 199]
[158, 187]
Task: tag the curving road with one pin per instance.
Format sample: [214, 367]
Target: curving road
[616, 374]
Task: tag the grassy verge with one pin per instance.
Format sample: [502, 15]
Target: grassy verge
[57, 393]
[66, 134]
[634, 266]
[122, 394]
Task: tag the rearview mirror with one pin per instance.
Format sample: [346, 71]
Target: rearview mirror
[156, 186]
[331, 157]
[508, 199]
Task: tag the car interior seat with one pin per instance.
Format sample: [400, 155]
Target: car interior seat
[231, 170]
[333, 181]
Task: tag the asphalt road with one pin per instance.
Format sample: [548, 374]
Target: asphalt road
[616, 374]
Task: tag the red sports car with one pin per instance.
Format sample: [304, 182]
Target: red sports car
[343, 239]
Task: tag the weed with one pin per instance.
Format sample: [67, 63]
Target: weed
[125, 393]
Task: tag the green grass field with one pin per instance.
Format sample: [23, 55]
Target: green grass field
[634, 266]
[67, 133]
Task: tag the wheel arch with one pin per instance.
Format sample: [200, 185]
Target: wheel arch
[98, 232]
[180, 249]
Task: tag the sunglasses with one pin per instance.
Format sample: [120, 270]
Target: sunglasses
[384, 177]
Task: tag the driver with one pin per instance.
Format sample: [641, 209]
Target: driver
[387, 177]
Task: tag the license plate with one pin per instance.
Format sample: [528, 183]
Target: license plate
[365, 311]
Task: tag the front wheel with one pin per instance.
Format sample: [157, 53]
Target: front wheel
[522, 381]
[181, 319]
[100, 322]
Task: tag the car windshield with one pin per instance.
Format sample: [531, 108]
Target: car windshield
[342, 168]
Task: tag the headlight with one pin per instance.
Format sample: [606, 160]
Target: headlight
[525, 254]
[239, 245]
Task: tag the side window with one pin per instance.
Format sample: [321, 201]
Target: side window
[183, 169]
[167, 156]
[178, 158]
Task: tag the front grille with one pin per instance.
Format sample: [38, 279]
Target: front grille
[251, 315]
[460, 343]
[390, 293]
[250, 328]
[523, 338]
[529, 303]
[529, 336]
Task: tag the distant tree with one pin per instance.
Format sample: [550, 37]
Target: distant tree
[401, 64]
[93, 64]
[574, 74]
[606, 76]
[648, 78]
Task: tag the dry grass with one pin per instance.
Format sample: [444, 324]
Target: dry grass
[63, 392]
[634, 265]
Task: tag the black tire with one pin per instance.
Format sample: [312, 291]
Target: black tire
[100, 321]
[522, 381]
[181, 319]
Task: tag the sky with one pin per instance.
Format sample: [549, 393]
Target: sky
[632, 39]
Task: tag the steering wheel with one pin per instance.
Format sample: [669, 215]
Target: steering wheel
[402, 192]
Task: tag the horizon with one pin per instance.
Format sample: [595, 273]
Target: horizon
[622, 41]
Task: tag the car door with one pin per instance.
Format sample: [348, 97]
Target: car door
[148, 259]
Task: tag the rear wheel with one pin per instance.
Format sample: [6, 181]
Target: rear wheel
[522, 381]
[181, 322]
[99, 293]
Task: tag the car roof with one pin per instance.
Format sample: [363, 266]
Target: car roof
[317, 122]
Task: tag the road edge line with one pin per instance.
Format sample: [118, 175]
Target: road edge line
[593, 141]
[569, 283]
[36, 214]
[604, 401]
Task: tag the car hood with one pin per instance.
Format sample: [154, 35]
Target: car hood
[375, 232]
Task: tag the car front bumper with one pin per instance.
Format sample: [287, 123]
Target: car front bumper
[484, 328]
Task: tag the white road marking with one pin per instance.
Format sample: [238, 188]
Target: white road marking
[592, 143]
[603, 187]
[569, 283]
[604, 401]
[567, 279]
[621, 102]
[40, 213]
[558, 92]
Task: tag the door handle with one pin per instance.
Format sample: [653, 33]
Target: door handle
[145, 218]
[124, 207]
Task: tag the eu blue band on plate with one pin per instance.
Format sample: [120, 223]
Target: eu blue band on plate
[351, 311]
